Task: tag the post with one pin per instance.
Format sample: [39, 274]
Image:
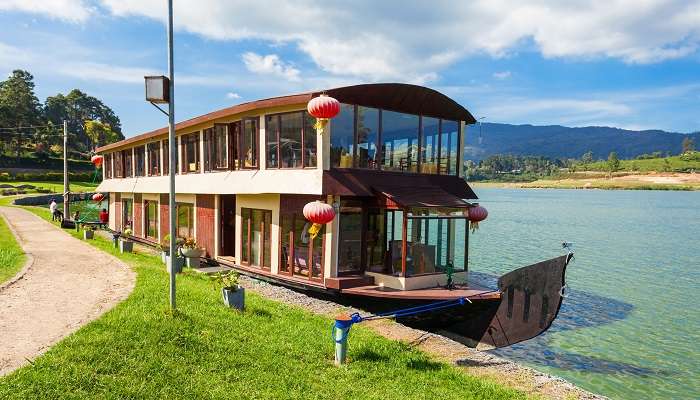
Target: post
[341, 329]
[66, 184]
[171, 144]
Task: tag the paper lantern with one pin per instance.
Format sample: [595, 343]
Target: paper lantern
[319, 214]
[323, 108]
[475, 215]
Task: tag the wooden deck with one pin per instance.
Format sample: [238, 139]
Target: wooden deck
[437, 293]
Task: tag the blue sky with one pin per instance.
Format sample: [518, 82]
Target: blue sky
[618, 63]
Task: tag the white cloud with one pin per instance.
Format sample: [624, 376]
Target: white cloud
[393, 40]
[270, 64]
[501, 75]
[233, 95]
[67, 10]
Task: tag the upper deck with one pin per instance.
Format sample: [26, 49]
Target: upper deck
[270, 146]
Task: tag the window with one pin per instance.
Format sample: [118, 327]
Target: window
[399, 141]
[234, 138]
[127, 214]
[140, 160]
[449, 146]
[108, 165]
[166, 157]
[434, 242]
[255, 238]
[299, 254]
[118, 164]
[153, 158]
[151, 219]
[190, 152]
[185, 220]
[127, 155]
[249, 143]
[367, 134]
[291, 140]
[216, 148]
[343, 137]
[429, 152]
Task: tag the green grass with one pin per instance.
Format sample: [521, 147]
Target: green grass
[272, 350]
[11, 255]
[682, 163]
[55, 187]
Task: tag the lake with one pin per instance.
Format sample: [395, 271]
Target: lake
[630, 328]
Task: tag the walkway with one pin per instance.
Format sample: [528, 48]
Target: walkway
[68, 284]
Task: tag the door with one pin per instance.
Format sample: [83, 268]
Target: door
[350, 249]
[227, 225]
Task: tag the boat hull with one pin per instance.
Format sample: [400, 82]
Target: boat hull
[530, 301]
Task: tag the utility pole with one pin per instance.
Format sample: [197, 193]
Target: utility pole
[66, 184]
[171, 145]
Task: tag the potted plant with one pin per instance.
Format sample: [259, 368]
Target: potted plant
[89, 232]
[178, 263]
[125, 244]
[192, 252]
[231, 291]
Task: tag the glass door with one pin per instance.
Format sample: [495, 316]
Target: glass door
[350, 249]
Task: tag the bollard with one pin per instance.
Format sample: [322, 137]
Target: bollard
[341, 329]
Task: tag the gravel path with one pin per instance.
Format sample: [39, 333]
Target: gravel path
[68, 284]
[472, 361]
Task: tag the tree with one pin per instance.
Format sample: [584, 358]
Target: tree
[688, 145]
[587, 158]
[613, 163]
[100, 134]
[19, 106]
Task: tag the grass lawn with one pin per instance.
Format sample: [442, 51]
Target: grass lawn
[141, 350]
[55, 187]
[11, 255]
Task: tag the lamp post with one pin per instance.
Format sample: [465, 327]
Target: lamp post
[161, 89]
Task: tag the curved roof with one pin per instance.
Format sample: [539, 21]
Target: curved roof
[400, 97]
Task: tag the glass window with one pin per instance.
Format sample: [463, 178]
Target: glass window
[272, 144]
[151, 221]
[290, 140]
[166, 156]
[299, 254]
[434, 244]
[140, 160]
[208, 136]
[128, 168]
[399, 141]
[367, 129]
[429, 156]
[343, 137]
[249, 143]
[256, 237]
[153, 158]
[108, 166]
[350, 238]
[310, 157]
[185, 220]
[191, 152]
[127, 214]
[220, 146]
[449, 145]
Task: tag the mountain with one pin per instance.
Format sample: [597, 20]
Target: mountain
[556, 141]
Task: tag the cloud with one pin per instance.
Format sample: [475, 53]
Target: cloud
[233, 96]
[67, 10]
[270, 64]
[390, 40]
[501, 75]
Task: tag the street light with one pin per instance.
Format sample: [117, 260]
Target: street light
[161, 89]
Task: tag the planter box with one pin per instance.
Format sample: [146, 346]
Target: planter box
[88, 235]
[191, 253]
[126, 246]
[179, 263]
[234, 298]
[193, 262]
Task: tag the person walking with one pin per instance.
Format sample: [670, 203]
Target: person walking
[52, 207]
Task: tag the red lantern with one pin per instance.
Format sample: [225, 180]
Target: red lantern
[323, 108]
[476, 214]
[98, 197]
[97, 160]
[320, 214]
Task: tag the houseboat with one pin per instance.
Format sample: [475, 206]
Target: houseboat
[389, 164]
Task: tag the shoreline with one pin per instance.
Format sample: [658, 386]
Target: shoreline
[620, 181]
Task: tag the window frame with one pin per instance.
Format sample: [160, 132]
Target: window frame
[139, 161]
[278, 133]
[246, 246]
[255, 144]
[128, 163]
[147, 221]
[186, 140]
[190, 218]
[154, 154]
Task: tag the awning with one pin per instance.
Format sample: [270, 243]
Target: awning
[405, 189]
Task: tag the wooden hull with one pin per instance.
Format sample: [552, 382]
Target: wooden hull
[529, 301]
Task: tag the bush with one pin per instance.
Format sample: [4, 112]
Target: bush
[49, 176]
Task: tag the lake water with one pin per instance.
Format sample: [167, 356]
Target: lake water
[630, 328]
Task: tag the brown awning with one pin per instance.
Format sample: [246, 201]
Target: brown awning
[404, 189]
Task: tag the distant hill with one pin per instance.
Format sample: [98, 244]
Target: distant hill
[556, 141]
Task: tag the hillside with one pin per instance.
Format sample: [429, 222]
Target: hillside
[556, 141]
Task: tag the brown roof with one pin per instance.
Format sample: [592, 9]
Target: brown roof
[405, 189]
[401, 97]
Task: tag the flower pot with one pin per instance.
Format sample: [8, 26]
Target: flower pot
[88, 235]
[193, 262]
[164, 256]
[126, 246]
[191, 252]
[234, 298]
[179, 262]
